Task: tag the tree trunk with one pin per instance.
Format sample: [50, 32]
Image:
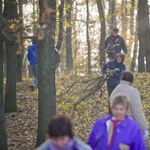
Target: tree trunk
[46, 74]
[102, 19]
[87, 36]
[3, 136]
[147, 34]
[60, 36]
[10, 13]
[69, 59]
[141, 35]
[133, 62]
[19, 56]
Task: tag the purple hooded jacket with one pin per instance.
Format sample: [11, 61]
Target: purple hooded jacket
[128, 133]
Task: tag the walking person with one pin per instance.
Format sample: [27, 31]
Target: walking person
[60, 136]
[117, 131]
[117, 41]
[135, 110]
[32, 57]
[113, 81]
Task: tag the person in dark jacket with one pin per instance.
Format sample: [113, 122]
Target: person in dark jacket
[57, 62]
[113, 81]
[117, 131]
[32, 57]
[117, 40]
[60, 136]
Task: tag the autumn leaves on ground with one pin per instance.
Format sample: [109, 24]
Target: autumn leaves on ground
[22, 126]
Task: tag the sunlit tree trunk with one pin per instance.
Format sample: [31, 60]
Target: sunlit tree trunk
[10, 13]
[69, 58]
[87, 36]
[3, 137]
[102, 38]
[46, 73]
[60, 35]
[133, 62]
[131, 27]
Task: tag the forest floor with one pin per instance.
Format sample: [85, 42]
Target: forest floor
[21, 126]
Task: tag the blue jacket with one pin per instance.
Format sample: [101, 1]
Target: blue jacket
[114, 80]
[128, 132]
[121, 44]
[32, 54]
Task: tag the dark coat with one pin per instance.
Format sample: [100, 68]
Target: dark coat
[121, 44]
[114, 80]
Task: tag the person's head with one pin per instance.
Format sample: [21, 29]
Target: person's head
[60, 130]
[119, 106]
[120, 58]
[127, 76]
[115, 32]
[34, 40]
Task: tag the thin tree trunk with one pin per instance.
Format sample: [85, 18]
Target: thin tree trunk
[46, 74]
[147, 34]
[102, 19]
[3, 136]
[133, 62]
[19, 56]
[10, 13]
[131, 27]
[69, 58]
[87, 36]
[60, 36]
[141, 35]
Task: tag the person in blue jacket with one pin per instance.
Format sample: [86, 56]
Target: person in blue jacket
[113, 81]
[115, 39]
[117, 131]
[32, 57]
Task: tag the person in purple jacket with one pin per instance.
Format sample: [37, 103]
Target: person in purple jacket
[117, 131]
[60, 136]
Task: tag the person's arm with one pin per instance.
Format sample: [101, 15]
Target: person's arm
[124, 47]
[136, 110]
[119, 73]
[91, 140]
[104, 69]
[105, 44]
[29, 54]
[139, 141]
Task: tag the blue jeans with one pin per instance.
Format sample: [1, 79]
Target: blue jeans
[35, 72]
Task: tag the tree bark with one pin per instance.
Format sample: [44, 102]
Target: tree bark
[69, 58]
[46, 74]
[102, 39]
[60, 35]
[87, 36]
[3, 136]
[10, 13]
[141, 35]
[133, 62]
[19, 56]
[147, 34]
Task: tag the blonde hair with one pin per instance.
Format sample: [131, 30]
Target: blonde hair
[120, 99]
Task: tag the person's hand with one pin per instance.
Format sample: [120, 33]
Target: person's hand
[117, 69]
[104, 75]
[145, 134]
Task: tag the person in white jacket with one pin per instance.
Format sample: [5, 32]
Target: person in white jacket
[135, 111]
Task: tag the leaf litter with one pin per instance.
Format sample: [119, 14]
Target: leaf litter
[21, 126]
